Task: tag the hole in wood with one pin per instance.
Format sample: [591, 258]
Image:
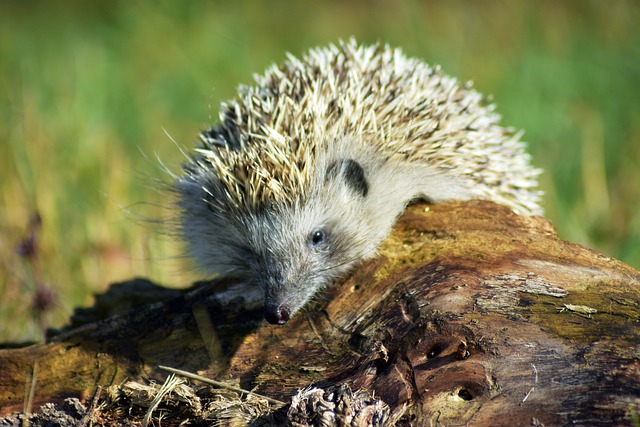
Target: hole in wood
[435, 350]
[465, 394]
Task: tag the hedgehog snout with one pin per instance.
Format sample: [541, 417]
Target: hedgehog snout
[277, 314]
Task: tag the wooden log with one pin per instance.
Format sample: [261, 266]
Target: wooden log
[470, 314]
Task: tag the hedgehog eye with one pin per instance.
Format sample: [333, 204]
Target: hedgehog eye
[317, 237]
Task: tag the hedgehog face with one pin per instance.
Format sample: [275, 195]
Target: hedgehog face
[294, 250]
[291, 251]
[295, 259]
[300, 250]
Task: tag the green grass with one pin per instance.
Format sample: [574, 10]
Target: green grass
[87, 90]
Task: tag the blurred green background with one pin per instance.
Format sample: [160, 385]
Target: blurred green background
[88, 90]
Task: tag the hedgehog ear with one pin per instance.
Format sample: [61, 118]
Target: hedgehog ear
[353, 174]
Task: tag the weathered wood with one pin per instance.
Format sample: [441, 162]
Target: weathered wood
[470, 314]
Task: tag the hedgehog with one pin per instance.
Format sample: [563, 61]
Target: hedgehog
[308, 169]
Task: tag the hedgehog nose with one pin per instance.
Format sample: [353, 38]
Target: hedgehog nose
[277, 314]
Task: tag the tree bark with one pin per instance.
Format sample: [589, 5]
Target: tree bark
[469, 315]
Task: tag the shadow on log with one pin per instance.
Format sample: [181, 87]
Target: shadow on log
[470, 314]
